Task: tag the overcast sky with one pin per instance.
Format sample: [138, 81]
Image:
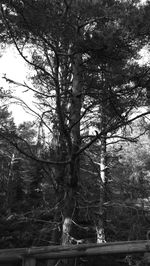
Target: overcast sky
[16, 69]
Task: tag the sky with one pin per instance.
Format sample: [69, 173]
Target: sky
[15, 68]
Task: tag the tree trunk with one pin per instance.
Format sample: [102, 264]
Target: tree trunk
[67, 176]
[74, 167]
[10, 185]
[103, 164]
[100, 226]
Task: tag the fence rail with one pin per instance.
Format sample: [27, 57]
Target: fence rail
[29, 255]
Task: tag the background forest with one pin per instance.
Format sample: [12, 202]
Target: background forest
[80, 172]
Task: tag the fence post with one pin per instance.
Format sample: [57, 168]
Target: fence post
[28, 261]
[146, 258]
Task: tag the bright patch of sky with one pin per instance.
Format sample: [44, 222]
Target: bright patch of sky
[144, 1]
[14, 67]
[145, 56]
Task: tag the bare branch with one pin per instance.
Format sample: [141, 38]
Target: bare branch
[12, 139]
[110, 129]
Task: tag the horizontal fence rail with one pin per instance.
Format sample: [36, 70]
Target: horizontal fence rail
[52, 252]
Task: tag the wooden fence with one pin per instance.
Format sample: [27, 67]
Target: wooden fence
[30, 255]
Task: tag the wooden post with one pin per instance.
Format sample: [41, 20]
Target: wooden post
[28, 261]
[147, 258]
